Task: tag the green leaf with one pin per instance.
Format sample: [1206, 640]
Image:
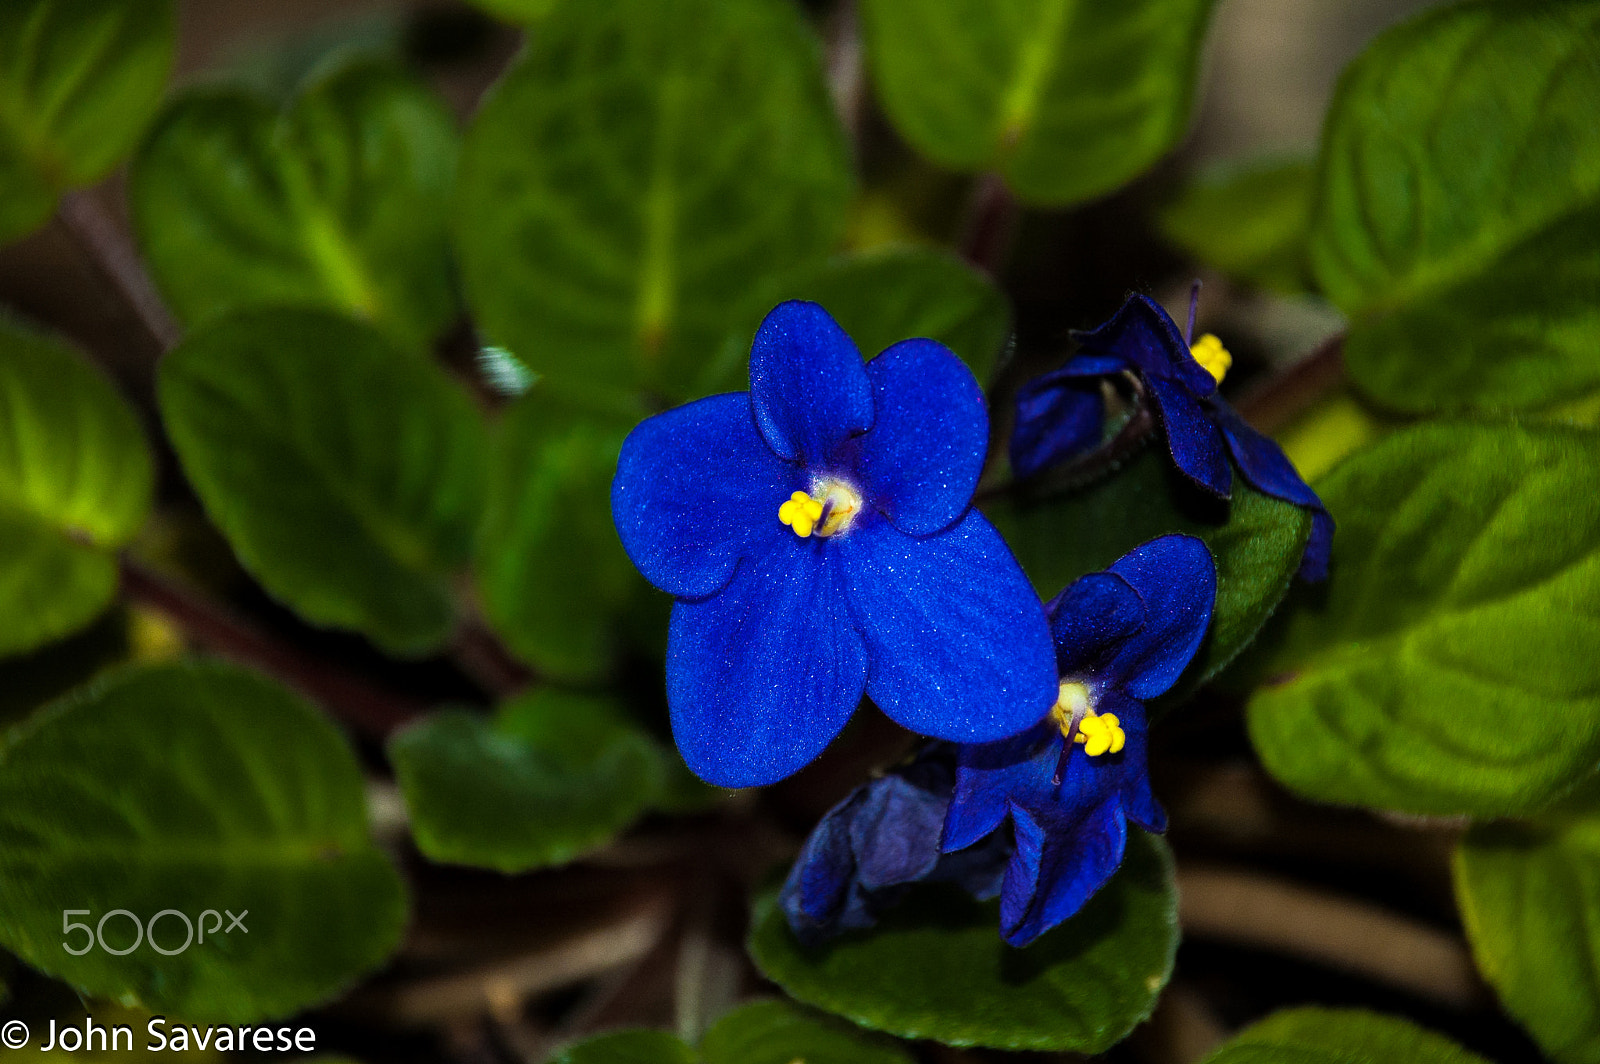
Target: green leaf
[1448, 665]
[347, 475]
[882, 297]
[192, 788]
[341, 201]
[1458, 200]
[937, 968]
[78, 81]
[75, 484]
[1529, 896]
[518, 11]
[1067, 99]
[550, 569]
[779, 1032]
[1338, 1036]
[646, 166]
[1256, 541]
[1248, 219]
[628, 1047]
[553, 776]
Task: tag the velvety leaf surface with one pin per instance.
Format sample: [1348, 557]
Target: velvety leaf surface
[78, 81]
[936, 967]
[1255, 540]
[347, 475]
[643, 168]
[1458, 201]
[75, 485]
[519, 11]
[780, 1032]
[190, 788]
[1529, 895]
[554, 775]
[883, 297]
[1248, 219]
[1338, 1036]
[550, 569]
[1067, 99]
[1449, 666]
[340, 201]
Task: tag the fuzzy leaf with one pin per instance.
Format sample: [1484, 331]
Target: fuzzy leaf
[1247, 219]
[1338, 1036]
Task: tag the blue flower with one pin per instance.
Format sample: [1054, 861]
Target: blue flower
[1071, 784]
[818, 535]
[1060, 414]
[867, 851]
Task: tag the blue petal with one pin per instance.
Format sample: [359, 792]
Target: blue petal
[1176, 579]
[987, 774]
[763, 675]
[818, 888]
[1059, 415]
[696, 490]
[895, 833]
[1143, 335]
[1058, 866]
[1090, 620]
[1269, 471]
[1196, 444]
[958, 641]
[920, 462]
[808, 387]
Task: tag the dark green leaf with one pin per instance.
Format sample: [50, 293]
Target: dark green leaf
[1255, 540]
[881, 297]
[1530, 899]
[1448, 666]
[644, 168]
[1066, 98]
[347, 475]
[1249, 220]
[780, 1032]
[551, 572]
[78, 81]
[341, 201]
[1338, 1036]
[193, 788]
[936, 966]
[628, 1047]
[75, 483]
[554, 776]
[1458, 202]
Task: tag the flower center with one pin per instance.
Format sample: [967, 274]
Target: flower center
[1212, 356]
[1100, 733]
[828, 510]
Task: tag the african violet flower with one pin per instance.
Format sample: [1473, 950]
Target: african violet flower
[818, 534]
[867, 851]
[1060, 414]
[1071, 784]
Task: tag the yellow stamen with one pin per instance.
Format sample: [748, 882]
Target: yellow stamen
[1100, 733]
[827, 510]
[1212, 356]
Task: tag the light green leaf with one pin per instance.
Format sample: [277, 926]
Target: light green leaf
[1248, 219]
[646, 166]
[882, 297]
[192, 788]
[1448, 666]
[75, 484]
[1255, 540]
[551, 571]
[78, 81]
[780, 1032]
[1529, 896]
[341, 201]
[937, 968]
[1459, 198]
[628, 1047]
[554, 776]
[1068, 99]
[347, 475]
[1338, 1036]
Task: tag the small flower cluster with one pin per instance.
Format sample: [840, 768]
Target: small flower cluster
[819, 538]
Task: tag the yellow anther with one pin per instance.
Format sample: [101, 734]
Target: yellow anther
[1212, 356]
[827, 511]
[801, 513]
[1101, 734]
